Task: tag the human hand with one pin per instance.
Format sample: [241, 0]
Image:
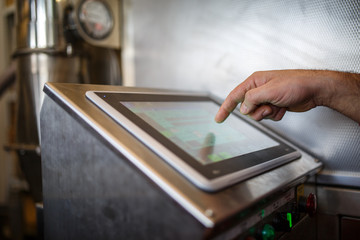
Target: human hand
[269, 94]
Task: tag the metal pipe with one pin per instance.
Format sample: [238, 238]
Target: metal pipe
[38, 25]
[40, 57]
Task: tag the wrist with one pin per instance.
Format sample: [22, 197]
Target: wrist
[328, 87]
[341, 92]
[322, 84]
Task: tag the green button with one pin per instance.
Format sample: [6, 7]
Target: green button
[268, 232]
[289, 218]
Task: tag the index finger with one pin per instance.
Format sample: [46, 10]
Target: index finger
[232, 100]
[238, 94]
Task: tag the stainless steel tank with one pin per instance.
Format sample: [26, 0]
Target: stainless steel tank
[50, 48]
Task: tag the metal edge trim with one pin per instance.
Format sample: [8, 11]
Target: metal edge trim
[132, 158]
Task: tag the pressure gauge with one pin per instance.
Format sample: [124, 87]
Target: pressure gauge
[95, 18]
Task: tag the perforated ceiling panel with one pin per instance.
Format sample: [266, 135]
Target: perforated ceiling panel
[214, 45]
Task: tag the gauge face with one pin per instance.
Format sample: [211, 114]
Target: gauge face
[95, 18]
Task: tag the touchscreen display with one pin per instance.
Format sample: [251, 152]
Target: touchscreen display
[181, 130]
[191, 126]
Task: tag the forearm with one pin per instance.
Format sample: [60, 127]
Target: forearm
[269, 94]
[341, 92]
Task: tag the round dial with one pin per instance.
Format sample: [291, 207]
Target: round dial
[95, 18]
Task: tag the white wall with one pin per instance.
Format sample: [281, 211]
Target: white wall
[213, 45]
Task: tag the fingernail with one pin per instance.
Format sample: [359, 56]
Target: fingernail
[243, 109]
[266, 112]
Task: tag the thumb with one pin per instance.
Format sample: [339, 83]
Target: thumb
[256, 97]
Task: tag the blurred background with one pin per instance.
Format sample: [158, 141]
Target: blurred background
[194, 45]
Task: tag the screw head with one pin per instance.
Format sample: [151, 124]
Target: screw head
[209, 212]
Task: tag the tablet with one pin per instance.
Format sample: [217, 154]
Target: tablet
[181, 130]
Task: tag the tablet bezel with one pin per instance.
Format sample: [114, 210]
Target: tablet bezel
[209, 177]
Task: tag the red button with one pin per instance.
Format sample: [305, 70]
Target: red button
[250, 238]
[311, 205]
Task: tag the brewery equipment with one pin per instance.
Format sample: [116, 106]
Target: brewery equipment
[113, 184]
[59, 41]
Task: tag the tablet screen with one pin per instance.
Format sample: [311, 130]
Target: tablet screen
[191, 126]
[181, 129]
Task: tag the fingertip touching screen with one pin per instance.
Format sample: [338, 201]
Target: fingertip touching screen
[181, 129]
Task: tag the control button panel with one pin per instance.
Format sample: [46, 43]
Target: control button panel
[276, 218]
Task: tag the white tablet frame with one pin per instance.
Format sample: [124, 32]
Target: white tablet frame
[177, 163]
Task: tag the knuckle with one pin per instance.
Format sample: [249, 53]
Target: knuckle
[250, 96]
